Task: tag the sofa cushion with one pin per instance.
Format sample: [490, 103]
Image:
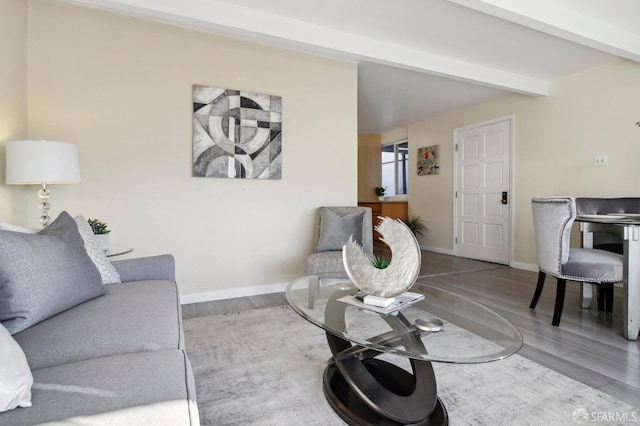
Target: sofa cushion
[335, 229]
[150, 388]
[15, 375]
[44, 274]
[108, 273]
[131, 317]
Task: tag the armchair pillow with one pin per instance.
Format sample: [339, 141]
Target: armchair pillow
[15, 376]
[44, 274]
[335, 229]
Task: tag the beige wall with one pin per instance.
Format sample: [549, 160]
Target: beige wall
[13, 99]
[556, 138]
[394, 135]
[369, 169]
[121, 89]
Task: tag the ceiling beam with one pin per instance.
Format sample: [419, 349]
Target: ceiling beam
[228, 19]
[566, 23]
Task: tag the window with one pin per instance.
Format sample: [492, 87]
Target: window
[395, 163]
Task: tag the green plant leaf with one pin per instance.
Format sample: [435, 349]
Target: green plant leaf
[416, 224]
[98, 227]
[380, 262]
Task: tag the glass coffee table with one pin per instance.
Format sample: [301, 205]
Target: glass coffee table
[443, 327]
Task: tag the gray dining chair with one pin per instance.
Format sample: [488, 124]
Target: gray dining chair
[552, 220]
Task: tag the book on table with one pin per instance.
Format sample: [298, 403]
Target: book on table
[402, 300]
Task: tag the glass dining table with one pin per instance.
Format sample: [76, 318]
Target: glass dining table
[629, 226]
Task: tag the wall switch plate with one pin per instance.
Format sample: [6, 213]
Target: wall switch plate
[600, 160]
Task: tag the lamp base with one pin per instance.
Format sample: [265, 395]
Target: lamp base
[44, 194]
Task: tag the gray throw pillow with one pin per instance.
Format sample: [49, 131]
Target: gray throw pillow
[44, 274]
[335, 229]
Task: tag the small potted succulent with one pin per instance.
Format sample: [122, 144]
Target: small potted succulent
[101, 232]
[380, 262]
[380, 190]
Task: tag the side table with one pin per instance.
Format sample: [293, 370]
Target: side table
[117, 251]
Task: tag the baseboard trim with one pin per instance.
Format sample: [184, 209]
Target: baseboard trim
[437, 250]
[230, 293]
[525, 266]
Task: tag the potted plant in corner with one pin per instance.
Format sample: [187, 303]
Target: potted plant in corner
[416, 225]
[380, 192]
[101, 232]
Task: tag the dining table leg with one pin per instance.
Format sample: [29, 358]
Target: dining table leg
[631, 307]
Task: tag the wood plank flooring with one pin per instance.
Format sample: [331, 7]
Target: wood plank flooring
[588, 346]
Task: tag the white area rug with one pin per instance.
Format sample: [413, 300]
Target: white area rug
[264, 367]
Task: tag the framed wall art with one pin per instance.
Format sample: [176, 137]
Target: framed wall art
[236, 134]
[429, 160]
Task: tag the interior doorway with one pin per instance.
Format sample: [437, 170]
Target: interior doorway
[482, 199]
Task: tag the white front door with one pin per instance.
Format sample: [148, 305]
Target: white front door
[482, 198]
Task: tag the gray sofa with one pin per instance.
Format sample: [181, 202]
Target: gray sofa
[118, 359]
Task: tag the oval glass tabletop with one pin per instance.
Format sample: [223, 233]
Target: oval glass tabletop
[452, 328]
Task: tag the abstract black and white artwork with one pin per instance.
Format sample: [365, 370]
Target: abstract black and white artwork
[236, 134]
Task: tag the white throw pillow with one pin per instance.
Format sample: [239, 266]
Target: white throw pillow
[107, 271]
[15, 375]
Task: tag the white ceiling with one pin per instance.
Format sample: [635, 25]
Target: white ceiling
[421, 58]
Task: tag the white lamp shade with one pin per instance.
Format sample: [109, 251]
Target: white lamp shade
[36, 162]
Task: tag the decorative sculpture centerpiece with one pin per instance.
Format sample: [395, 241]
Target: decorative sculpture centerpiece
[403, 269]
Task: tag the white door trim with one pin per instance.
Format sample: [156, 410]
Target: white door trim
[511, 119]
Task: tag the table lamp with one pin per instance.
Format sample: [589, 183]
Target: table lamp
[42, 163]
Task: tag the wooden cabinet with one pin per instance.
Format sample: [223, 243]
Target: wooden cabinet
[392, 209]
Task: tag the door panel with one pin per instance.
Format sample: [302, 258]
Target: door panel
[471, 176]
[493, 174]
[492, 206]
[482, 175]
[470, 232]
[470, 204]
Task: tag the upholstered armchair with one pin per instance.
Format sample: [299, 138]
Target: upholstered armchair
[552, 220]
[333, 226]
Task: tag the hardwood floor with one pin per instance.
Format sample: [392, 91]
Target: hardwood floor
[588, 346]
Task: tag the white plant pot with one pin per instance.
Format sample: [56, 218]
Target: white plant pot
[103, 241]
[381, 198]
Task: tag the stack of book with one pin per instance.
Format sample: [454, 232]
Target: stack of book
[382, 305]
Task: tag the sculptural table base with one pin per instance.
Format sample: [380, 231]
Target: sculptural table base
[367, 391]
